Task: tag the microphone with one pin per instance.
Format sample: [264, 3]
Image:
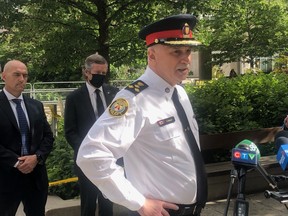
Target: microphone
[281, 144]
[245, 153]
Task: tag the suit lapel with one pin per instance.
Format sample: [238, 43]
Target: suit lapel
[87, 102]
[107, 94]
[30, 111]
[6, 108]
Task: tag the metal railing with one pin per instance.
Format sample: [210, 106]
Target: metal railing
[53, 95]
[50, 92]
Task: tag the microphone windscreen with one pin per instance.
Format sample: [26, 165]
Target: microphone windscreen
[249, 146]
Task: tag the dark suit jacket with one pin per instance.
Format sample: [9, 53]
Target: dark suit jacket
[79, 115]
[10, 143]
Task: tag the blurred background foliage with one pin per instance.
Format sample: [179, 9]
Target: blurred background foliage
[54, 37]
[245, 102]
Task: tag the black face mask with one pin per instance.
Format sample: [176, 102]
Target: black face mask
[97, 80]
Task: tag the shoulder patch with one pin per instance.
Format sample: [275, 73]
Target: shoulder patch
[118, 107]
[136, 87]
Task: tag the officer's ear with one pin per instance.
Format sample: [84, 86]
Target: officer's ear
[151, 53]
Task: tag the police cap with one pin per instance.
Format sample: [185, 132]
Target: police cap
[172, 30]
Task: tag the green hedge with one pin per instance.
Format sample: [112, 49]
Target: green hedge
[245, 102]
[60, 166]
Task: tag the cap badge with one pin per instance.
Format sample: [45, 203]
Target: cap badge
[119, 107]
[186, 31]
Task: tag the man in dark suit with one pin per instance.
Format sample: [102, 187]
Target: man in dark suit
[23, 175]
[82, 109]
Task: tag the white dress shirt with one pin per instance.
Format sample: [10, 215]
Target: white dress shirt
[157, 158]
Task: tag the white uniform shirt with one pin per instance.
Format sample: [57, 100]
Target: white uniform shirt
[157, 157]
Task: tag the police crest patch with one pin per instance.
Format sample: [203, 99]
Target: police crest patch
[136, 87]
[118, 107]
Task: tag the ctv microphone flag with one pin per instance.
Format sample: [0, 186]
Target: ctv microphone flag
[246, 153]
[282, 156]
[243, 156]
[250, 146]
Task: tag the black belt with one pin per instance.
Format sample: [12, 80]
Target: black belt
[186, 210]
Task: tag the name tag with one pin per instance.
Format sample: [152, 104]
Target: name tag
[166, 121]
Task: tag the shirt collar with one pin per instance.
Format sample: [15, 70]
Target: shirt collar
[10, 96]
[91, 89]
[155, 81]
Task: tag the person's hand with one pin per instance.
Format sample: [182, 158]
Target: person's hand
[156, 208]
[27, 163]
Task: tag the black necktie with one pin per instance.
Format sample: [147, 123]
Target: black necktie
[199, 164]
[23, 124]
[99, 102]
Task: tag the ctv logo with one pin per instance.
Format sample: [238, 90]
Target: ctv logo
[244, 155]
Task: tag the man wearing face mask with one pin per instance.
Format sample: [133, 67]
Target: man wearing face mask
[82, 108]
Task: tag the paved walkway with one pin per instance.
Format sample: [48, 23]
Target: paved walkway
[258, 205]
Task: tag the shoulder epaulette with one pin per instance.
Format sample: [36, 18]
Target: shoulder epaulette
[136, 87]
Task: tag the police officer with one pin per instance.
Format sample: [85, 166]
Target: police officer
[164, 172]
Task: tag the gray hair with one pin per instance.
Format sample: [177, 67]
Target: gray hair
[94, 59]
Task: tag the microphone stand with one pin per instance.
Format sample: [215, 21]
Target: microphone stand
[233, 175]
[279, 195]
[241, 207]
[271, 182]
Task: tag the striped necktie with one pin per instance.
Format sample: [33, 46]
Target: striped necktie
[24, 128]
